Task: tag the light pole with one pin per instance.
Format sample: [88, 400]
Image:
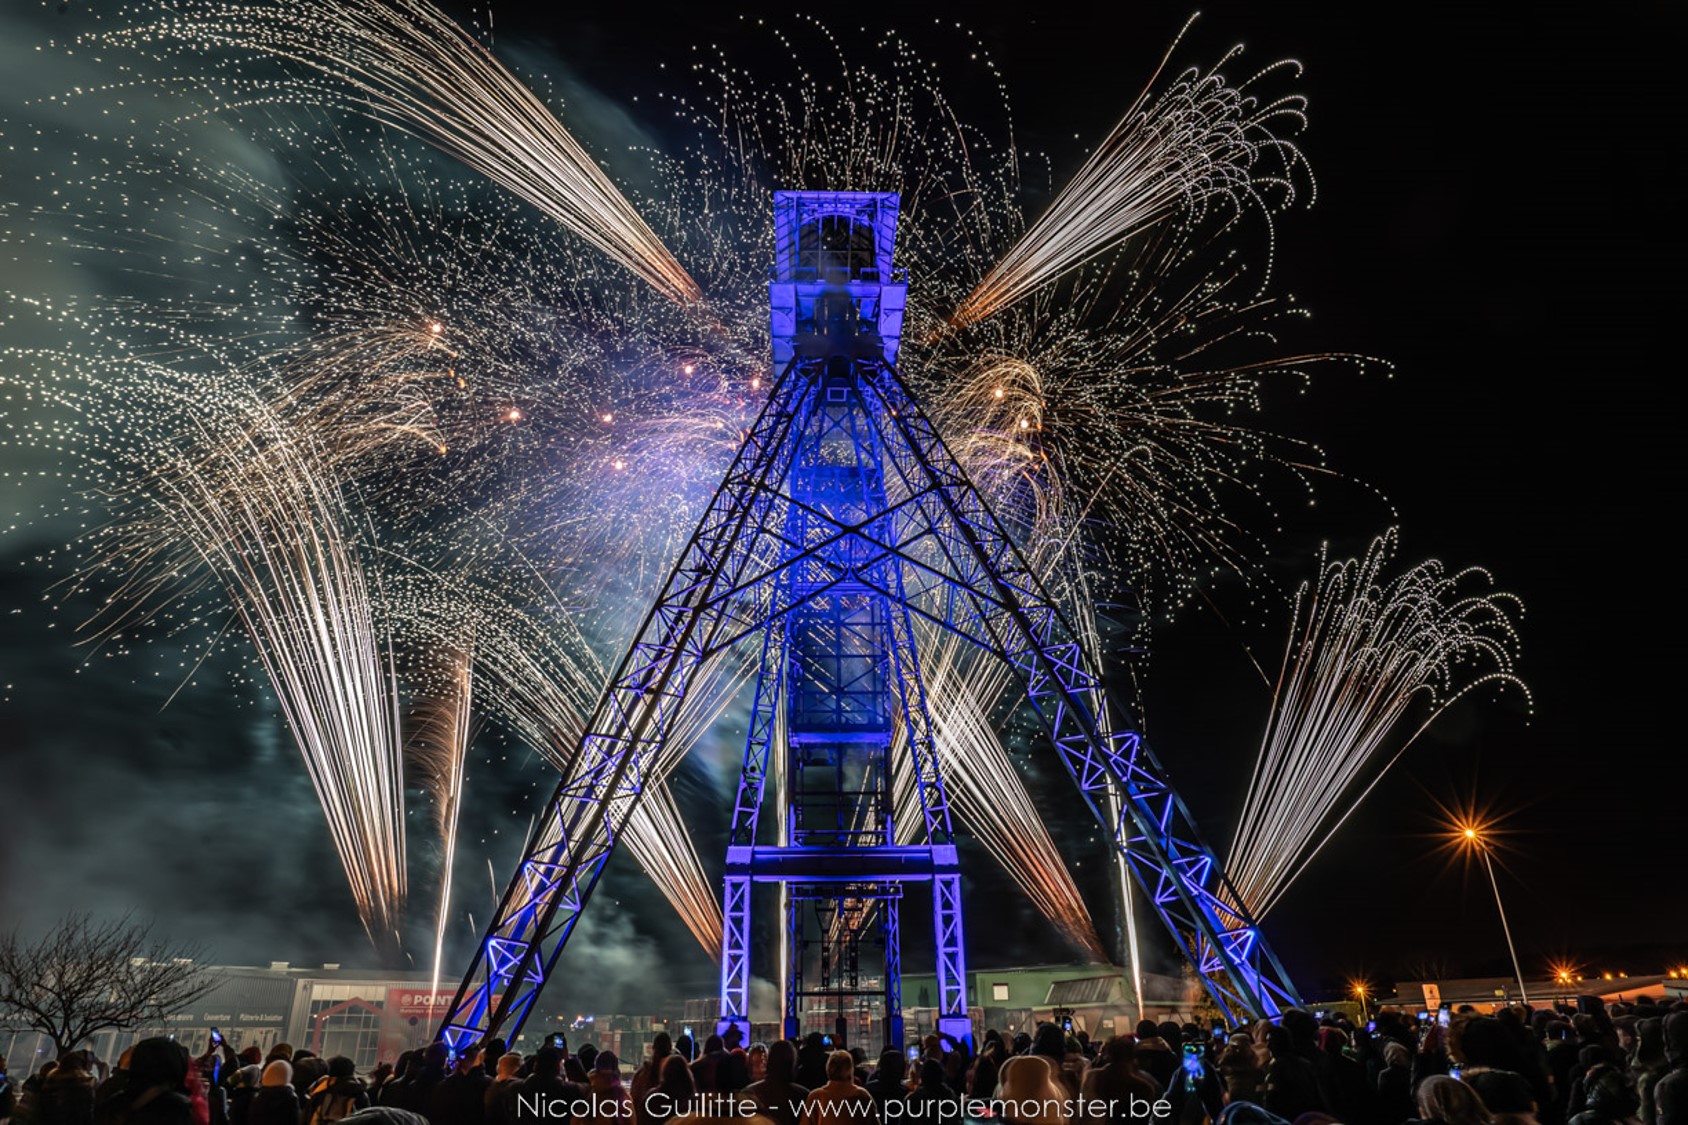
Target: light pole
[1360, 991]
[1474, 838]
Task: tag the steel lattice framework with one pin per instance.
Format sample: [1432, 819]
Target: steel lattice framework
[843, 516]
[840, 676]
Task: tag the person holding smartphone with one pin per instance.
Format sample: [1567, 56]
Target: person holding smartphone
[1197, 1094]
[1432, 1057]
[649, 1076]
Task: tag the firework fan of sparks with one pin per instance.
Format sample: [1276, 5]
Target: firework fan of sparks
[619, 426]
[540, 678]
[1179, 148]
[989, 798]
[1117, 421]
[408, 65]
[228, 486]
[1365, 650]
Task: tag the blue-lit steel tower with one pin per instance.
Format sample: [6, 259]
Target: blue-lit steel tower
[842, 531]
[839, 690]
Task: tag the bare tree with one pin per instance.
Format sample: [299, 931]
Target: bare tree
[86, 976]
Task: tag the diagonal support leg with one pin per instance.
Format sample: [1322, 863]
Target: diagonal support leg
[1004, 600]
[566, 854]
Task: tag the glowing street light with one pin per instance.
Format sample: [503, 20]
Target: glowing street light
[1361, 991]
[1471, 837]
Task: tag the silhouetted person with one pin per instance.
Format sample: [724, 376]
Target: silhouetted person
[277, 1102]
[778, 1095]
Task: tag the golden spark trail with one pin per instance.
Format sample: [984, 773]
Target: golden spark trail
[408, 65]
[1364, 650]
[440, 746]
[1199, 139]
[540, 677]
[255, 506]
[990, 799]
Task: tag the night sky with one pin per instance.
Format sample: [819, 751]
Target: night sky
[1492, 219]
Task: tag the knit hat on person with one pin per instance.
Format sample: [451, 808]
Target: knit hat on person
[278, 1073]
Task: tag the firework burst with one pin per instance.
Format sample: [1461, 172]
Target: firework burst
[1366, 656]
[408, 65]
[227, 495]
[1180, 149]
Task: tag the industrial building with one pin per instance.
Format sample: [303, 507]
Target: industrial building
[365, 1015]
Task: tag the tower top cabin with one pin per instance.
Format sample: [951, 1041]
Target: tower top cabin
[834, 291]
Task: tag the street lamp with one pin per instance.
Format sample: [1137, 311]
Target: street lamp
[1472, 838]
[1360, 992]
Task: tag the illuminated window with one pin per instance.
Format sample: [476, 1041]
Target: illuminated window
[351, 1028]
[999, 992]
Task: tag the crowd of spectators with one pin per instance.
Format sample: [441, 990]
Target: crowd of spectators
[1627, 1065]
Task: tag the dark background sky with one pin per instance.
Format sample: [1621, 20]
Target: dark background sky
[1496, 216]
